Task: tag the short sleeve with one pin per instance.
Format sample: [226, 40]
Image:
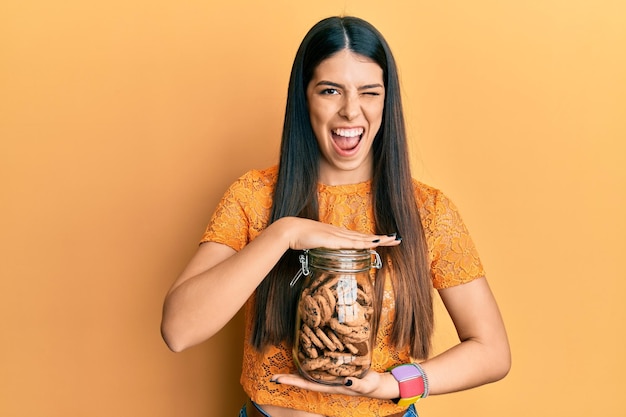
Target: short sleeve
[242, 213]
[453, 255]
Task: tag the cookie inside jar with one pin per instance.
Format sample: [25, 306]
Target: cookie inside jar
[335, 309]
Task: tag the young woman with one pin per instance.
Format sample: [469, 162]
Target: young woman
[343, 181]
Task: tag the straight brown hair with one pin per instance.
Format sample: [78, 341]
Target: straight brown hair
[394, 202]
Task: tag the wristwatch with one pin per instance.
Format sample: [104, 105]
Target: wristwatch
[411, 381]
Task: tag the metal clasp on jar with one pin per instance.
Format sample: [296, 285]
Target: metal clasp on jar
[304, 268]
[378, 263]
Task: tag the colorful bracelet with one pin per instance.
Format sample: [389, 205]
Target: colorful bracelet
[412, 381]
[425, 378]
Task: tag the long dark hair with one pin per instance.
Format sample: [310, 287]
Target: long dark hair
[394, 201]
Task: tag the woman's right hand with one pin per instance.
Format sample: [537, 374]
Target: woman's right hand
[309, 234]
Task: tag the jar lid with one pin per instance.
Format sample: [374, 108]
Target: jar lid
[343, 260]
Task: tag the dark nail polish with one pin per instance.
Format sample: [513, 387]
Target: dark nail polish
[275, 381]
[392, 234]
[398, 238]
[348, 383]
[374, 241]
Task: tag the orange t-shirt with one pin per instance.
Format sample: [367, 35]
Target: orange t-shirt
[244, 212]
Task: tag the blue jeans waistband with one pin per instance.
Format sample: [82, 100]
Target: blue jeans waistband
[410, 412]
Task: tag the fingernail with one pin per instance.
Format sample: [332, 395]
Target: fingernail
[398, 238]
[348, 383]
[374, 241]
[275, 381]
[392, 234]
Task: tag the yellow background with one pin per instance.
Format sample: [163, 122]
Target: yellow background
[122, 122]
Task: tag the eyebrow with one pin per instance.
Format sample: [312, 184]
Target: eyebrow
[363, 87]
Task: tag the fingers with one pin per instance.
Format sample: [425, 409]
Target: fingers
[373, 241]
[391, 240]
[309, 234]
[360, 241]
[351, 386]
[300, 382]
[360, 387]
[338, 238]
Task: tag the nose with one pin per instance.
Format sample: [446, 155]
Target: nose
[350, 107]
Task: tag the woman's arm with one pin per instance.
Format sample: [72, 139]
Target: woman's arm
[482, 356]
[218, 280]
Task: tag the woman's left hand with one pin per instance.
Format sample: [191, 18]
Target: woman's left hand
[373, 385]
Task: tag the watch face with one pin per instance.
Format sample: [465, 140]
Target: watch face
[404, 372]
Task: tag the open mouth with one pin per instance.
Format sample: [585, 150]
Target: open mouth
[347, 140]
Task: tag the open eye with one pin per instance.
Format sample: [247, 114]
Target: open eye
[329, 91]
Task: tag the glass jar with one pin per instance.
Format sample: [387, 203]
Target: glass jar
[335, 309]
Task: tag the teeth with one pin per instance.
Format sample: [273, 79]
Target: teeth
[349, 133]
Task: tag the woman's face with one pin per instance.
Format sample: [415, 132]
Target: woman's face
[346, 98]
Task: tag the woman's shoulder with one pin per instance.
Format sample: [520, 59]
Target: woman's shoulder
[266, 175]
[425, 194]
[432, 202]
[256, 180]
